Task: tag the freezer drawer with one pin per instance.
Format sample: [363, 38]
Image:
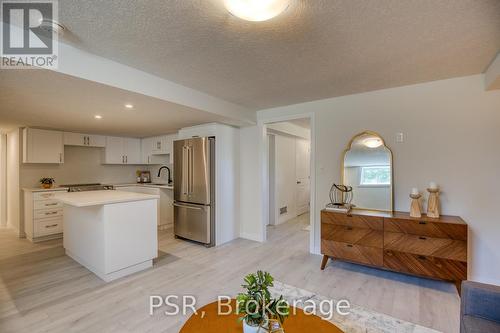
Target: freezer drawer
[192, 222]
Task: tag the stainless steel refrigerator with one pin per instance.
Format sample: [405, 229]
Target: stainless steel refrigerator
[194, 190]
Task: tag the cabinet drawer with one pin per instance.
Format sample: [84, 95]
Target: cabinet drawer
[426, 228]
[355, 221]
[352, 235]
[43, 195]
[445, 248]
[425, 265]
[46, 213]
[47, 204]
[48, 227]
[352, 252]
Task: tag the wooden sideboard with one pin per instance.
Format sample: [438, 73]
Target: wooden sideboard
[428, 247]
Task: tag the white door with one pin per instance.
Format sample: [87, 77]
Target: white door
[132, 150]
[74, 139]
[43, 146]
[96, 140]
[303, 156]
[114, 150]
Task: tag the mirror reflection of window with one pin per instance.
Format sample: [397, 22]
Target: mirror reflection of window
[368, 169]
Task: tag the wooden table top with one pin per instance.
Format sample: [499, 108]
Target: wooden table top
[211, 322]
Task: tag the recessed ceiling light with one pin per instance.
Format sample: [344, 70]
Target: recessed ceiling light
[98, 116]
[129, 106]
[256, 10]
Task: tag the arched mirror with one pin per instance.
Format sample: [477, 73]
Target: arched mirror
[367, 167]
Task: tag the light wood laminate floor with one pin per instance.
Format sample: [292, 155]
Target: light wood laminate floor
[42, 290]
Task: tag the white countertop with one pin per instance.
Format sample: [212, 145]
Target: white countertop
[39, 189]
[168, 187]
[96, 198]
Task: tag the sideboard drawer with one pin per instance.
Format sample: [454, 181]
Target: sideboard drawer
[47, 204]
[43, 214]
[426, 228]
[355, 221]
[352, 252]
[425, 265]
[352, 235]
[48, 227]
[445, 248]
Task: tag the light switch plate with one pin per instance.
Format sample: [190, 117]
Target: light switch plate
[400, 137]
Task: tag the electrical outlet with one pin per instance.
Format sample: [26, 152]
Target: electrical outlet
[283, 210]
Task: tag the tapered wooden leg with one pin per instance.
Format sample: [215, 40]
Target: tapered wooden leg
[458, 284]
[324, 262]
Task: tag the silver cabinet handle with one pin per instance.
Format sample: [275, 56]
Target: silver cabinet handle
[50, 213]
[51, 226]
[60, 157]
[51, 204]
[188, 207]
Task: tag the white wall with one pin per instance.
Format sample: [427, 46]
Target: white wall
[13, 188]
[81, 165]
[285, 176]
[3, 180]
[251, 190]
[451, 137]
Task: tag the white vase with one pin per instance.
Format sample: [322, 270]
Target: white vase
[252, 329]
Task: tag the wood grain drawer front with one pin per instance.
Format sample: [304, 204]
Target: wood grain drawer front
[425, 228]
[48, 227]
[47, 204]
[46, 213]
[355, 221]
[358, 236]
[351, 252]
[445, 269]
[422, 245]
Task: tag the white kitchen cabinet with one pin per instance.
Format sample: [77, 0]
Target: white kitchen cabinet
[159, 144]
[84, 140]
[42, 146]
[132, 150]
[122, 150]
[147, 150]
[43, 215]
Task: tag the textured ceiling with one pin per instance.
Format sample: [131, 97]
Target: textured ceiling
[51, 100]
[316, 49]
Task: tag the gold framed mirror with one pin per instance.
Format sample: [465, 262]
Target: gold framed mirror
[367, 167]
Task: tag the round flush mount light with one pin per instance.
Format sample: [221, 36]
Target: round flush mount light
[52, 26]
[256, 10]
[372, 142]
[129, 106]
[97, 116]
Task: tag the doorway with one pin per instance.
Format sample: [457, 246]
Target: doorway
[289, 175]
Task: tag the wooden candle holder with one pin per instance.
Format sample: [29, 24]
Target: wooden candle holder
[415, 206]
[433, 203]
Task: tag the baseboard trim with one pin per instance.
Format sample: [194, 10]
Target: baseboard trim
[252, 237]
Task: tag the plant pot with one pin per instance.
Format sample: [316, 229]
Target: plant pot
[252, 329]
[46, 186]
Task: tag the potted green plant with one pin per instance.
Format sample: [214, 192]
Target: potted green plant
[259, 310]
[47, 182]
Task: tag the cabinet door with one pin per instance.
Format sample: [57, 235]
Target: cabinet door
[170, 147]
[132, 150]
[146, 150]
[96, 140]
[158, 144]
[114, 152]
[74, 139]
[42, 146]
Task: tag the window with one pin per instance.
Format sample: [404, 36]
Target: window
[375, 175]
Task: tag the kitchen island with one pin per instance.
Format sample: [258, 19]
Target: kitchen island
[111, 233]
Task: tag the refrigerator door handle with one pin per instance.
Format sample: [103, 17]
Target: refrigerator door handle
[185, 187]
[187, 206]
[191, 171]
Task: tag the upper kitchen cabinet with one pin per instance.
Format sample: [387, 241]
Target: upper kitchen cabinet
[84, 140]
[122, 150]
[155, 149]
[148, 158]
[42, 146]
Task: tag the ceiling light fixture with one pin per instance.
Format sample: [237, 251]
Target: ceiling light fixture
[372, 142]
[129, 106]
[98, 116]
[256, 10]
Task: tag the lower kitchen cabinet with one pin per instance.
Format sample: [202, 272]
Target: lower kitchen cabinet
[43, 215]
